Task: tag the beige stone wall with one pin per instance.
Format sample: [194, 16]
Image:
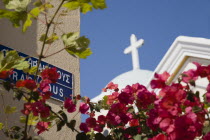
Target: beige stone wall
[29, 44]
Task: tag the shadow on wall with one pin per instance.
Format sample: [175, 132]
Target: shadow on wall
[22, 42]
[14, 38]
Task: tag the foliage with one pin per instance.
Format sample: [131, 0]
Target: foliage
[34, 93]
[22, 13]
[175, 112]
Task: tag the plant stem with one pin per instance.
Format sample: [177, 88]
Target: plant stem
[54, 53]
[39, 61]
[45, 38]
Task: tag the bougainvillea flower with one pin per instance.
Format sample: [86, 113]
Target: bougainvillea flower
[20, 83]
[46, 95]
[208, 97]
[91, 122]
[190, 75]
[69, 105]
[27, 108]
[145, 98]
[159, 137]
[187, 126]
[39, 108]
[138, 88]
[101, 120]
[160, 80]
[98, 128]
[113, 119]
[134, 122]
[30, 84]
[5, 74]
[202, 71]
[125, 98]
[167, 125]
[112, 98]
[44, 85]
[83, 107]
[154, 119]
[42, 126]
[111, 86]
[84, 127]
[50, 74]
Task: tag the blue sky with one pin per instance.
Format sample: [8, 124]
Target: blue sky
[158, 22]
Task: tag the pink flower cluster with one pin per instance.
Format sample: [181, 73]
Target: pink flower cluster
[178, 111]
[175, 113]
[38, 106]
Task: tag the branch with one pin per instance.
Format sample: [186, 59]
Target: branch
[45, 38]
[54, 53]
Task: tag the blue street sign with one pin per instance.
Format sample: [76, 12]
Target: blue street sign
[61, 89]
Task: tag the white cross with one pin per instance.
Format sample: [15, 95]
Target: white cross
[133, 49]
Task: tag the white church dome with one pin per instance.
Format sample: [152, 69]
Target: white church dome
[134, 76]
[128, 78]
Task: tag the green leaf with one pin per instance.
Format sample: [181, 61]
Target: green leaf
[72, 5]
[31, 121]
[35, 96]
[22, 119]
[13, 16]
[77, 46]
[48, 5]
[18, 94]
[32, 70]
[70, 38]
[192, 83]
[7, 85]
[206, 129]
[99, 136]
[49, 40]
[6, 2]
[99, 4]
[83, 43]
[9, 109]
[81, 136]
[42, 37]
[85, 53]
[85, 7]
[37, 3]
[21, 65]
[1, 57]
[137, 137]
[13, 60]
[1, 126]
[35, 12]
[52, 38]
[83, 1]
[18, 5]
[98, 107]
